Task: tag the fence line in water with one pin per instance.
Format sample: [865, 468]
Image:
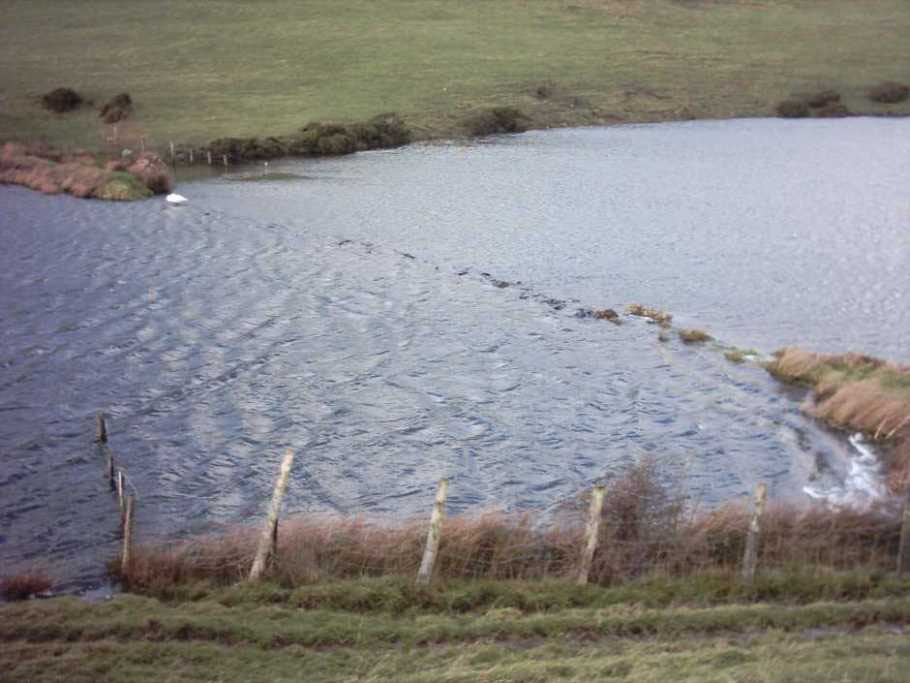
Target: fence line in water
[597, 523]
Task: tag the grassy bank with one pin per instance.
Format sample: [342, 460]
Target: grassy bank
[198, 70]
[860, 393]
[132, 638]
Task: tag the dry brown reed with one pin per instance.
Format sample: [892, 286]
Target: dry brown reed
[644, 531]
[662, 318]
[858, 392]
[25, 584]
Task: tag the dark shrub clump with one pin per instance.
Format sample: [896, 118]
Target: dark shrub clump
[823, 98]
[117, 109]
[497, 120]
[61, 100]
[889, 92]
[793, 109]
[832, 110]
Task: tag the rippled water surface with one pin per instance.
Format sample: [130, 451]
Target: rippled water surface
[358, 313]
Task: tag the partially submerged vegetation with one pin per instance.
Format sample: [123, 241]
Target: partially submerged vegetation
[857, 392]
[662, 318]
[694, 336]
[82, 174]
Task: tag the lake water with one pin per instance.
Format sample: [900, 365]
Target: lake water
[403, 315]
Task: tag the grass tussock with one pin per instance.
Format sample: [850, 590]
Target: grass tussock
[25, 585]
[662, 318]
[645, 532]
[889, 92]
[693, 336]
[857, 392]
[496, 120]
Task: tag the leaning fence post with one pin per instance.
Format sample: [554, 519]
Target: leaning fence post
[270, 532]
[592, 533]
[750, 556]
[127, 536]
[432, 547]
[903, 551]
[100, 428]
[121, 501]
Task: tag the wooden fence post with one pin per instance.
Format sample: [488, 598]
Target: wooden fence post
[127, 536]
[903, 552]
[120, 500]
[270, 533]
[432, 547]
[750, 556]
[592, 533]
[109, 470]
[173, 155]
[209, 156]
[191, 155]
[224, 159]
[100, 428]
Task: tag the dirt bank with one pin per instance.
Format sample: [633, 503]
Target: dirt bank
[83, 175]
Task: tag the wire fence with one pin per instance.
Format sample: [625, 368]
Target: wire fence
[632, 527]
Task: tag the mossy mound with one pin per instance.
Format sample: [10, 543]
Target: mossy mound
[793, 109]
[316, 139]
[823, 98]
[496, 120]
[694, 336]
[122, 186]
[61, 100]
[832, 110]
[889, 92]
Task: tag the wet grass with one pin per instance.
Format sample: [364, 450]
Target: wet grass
[199, 70]
[133, 638]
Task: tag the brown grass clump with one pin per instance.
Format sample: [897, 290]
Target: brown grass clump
[889, 92]
[662, 318]
[858, 392]
[24, 585]
[117, 109]
[694, 336]
[607, 314]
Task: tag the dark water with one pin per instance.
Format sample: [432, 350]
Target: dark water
[346, 314]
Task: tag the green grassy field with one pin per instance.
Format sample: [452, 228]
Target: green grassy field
[198, 70]
[259, 634]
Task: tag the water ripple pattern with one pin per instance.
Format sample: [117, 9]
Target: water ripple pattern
[271, 315]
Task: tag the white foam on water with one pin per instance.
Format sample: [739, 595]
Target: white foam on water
[863, 483]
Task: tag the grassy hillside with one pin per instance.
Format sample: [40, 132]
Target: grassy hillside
[263, 634]
[198, 69]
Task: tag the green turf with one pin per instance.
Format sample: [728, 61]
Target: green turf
[198, 69]
[132, 638]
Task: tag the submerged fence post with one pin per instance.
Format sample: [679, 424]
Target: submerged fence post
[270, 533]
[100, 428]
[750, 556]
[592, 533]
[127, 536]
[903, 551]
[432, 547]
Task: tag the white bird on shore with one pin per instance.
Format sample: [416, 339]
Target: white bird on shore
[174, 198]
